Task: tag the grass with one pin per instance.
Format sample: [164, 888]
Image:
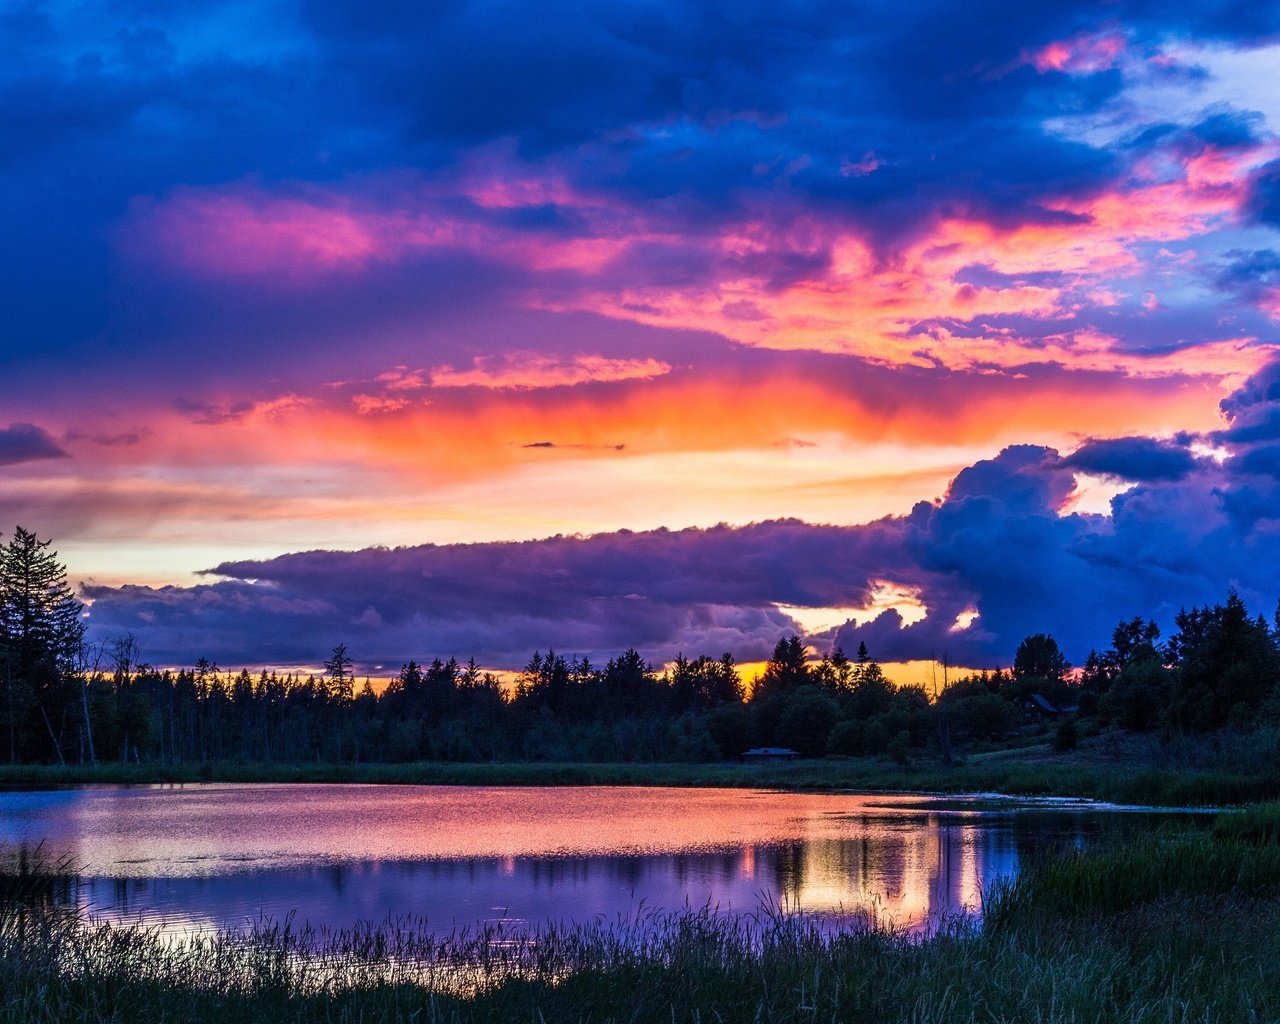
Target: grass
[1182, 926]
[1122, 782]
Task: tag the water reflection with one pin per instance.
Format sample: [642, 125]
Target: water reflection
[462, 857]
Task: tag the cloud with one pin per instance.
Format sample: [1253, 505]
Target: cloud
[1083, 54]
[358, 184]
[527, 370]
[1001, 543]
[1138, 459]
[1253, 411]
[25, 442]
[212, 414]
[698, 228]
[1264, 202]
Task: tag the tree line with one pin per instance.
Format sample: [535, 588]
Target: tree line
[67, 701]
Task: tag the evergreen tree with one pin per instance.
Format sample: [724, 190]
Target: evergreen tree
[1039, 657]
[339, 669]
[40, 637]
[785, 672]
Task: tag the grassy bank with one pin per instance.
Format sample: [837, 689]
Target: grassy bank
[1119, 783]
[1181, 927]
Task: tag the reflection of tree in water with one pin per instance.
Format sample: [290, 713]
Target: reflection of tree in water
[787, 870]
[907, 867]
[553, 871]
[1035, 833]
[120, 893]
[34, 891]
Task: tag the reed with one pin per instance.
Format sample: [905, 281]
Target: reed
[1181, 927]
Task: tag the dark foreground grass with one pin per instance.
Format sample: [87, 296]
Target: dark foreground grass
[1118, 783]
[1180, 927]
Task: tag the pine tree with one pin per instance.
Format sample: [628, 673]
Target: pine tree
[339, 669]
[40, 636]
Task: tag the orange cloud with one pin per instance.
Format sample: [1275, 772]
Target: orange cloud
[459, 435]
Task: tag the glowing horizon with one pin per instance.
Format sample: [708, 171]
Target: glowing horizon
[937, 307]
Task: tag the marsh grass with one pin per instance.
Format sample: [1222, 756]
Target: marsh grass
[1181, 926]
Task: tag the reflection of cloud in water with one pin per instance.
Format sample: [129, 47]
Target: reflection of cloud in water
[907, 875]
[903, 878]
[225, 855]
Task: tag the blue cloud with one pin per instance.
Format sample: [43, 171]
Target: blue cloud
[1138, 459]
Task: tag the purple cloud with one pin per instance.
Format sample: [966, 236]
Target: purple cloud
[1137, 459]
[25, 442]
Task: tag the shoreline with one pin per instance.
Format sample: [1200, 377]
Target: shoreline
[1129, 785]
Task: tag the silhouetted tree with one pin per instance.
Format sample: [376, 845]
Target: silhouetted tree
[1039, 657]
[785, 670]
[1223, 661]
[338, 669]
[41, 633]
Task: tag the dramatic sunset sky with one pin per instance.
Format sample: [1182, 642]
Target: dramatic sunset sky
[464, 328]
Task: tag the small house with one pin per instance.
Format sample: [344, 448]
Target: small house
[764, 755]
[1038, 708]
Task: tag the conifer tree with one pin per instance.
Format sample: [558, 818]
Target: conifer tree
[40, 635]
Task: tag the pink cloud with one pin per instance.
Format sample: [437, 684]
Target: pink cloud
[368, 405]
[1083, 54]
[237, 233]
[528, 370]
[245, 232]
[869, 164]
[892, 307]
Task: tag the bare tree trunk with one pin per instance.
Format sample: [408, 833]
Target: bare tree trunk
[87, 675]
[88, 728]
[8, 675]
[57, 747]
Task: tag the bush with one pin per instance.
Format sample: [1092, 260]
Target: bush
[807, 720]
[848, 738]
[1066, 737]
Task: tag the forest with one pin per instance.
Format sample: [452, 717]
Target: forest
[67, 701]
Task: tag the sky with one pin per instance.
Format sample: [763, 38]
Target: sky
[468, 329]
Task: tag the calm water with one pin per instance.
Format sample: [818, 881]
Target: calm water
[223, 855]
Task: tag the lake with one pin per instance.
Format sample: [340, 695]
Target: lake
[222, 856]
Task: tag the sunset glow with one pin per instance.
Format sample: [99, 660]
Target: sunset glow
[682, 328]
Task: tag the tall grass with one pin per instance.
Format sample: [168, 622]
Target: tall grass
[1179, 927]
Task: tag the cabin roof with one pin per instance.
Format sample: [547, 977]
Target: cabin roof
[1045, 705]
